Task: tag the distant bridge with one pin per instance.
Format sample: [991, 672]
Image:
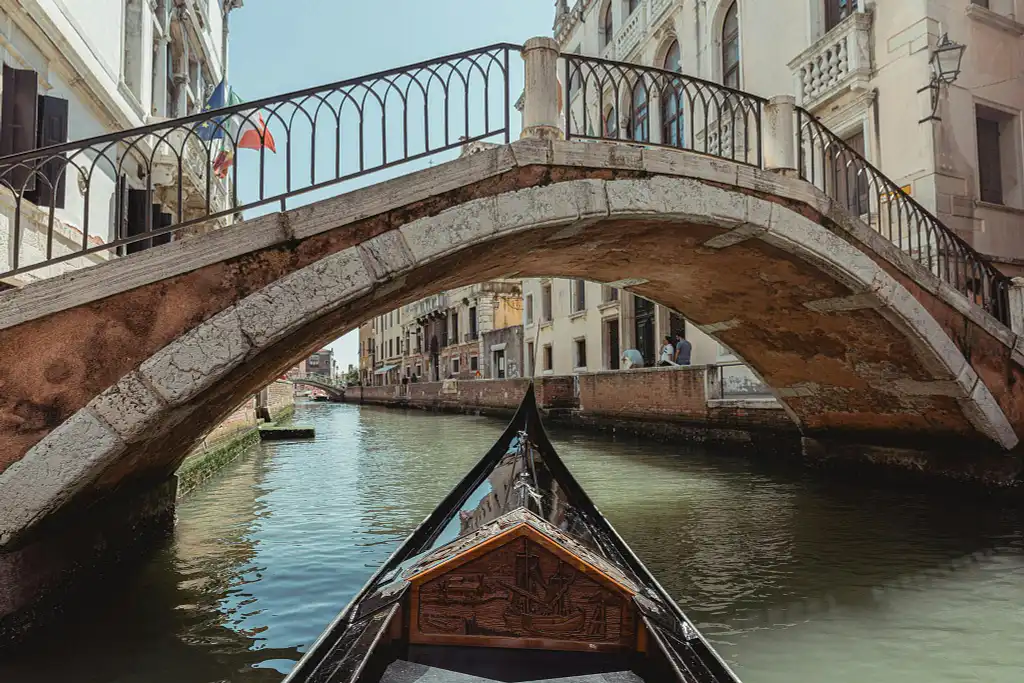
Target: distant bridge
[336, 393]
[750, 222]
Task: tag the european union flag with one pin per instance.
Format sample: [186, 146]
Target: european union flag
[213, 129]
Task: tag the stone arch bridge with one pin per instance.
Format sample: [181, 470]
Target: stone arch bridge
[335, 392]
[122, 367]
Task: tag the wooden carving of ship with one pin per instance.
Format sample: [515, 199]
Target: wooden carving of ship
[527, 582]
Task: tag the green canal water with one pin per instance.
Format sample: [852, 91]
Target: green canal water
[791, 577]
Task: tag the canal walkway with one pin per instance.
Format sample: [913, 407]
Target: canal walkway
[793, 578]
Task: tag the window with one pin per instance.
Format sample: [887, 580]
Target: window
[581, 353]
[529, 358]
[529, 309]
[639, 125]
[474, 363]
[672, 101]
[579, 296]
[632, 5]
[455, 366]
[131, 69]
[837, 10]
[548, 357]
[611, 126]
[607, 26]
[545, 303]
[419, 369]
[731, 48]
[473, 332]
[983, 3]
[999, 167]
[455, 327]
[609, 294]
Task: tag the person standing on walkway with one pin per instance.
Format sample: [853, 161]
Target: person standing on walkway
[667, 352]
[684, 349]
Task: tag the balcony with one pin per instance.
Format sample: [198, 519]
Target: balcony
[630, 33]
[190, 157]
[839, 62]
[424, 307]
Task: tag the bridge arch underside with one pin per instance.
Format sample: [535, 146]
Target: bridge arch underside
[851, 353]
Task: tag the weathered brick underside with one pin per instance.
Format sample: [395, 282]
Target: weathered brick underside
[884, 370]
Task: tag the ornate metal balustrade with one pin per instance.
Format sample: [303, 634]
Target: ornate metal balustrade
[71, 201]
[610, 100]
[188, 172]
[836, 169]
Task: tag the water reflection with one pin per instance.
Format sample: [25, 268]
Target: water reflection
[792, 578]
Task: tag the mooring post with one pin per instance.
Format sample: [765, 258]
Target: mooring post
[540, 101]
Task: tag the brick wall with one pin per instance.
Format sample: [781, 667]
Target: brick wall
[664, 402]
[664, 393]
[241, 421]
[280, 398]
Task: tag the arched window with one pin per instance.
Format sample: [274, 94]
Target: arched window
[607, 26]
[639, 128]
[731, 48]
[633, 4]
[672, 101]
[611, 126]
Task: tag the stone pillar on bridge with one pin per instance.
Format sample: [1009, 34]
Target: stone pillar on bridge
[778, 133]
[1016, 301]
[540, 101]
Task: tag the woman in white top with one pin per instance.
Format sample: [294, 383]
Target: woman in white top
[667, 351]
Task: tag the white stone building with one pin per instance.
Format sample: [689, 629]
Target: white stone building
[572, 326]
[863, 67]
[75, 69]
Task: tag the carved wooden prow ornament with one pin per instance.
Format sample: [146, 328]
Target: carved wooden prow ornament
[522, 588]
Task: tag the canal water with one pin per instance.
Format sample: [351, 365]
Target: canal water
[792, 578]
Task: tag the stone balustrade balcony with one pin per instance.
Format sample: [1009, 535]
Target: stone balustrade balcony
[839, 62]
[631, 31]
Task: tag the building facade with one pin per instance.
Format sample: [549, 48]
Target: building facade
[320, 366]
[81, 68]
[573, 326]
[864, 68]
[467, 333]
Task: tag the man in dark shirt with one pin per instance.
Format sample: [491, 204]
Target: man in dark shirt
[683, 350]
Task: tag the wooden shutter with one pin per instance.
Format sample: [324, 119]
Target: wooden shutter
[138, 207]
[161, 220]
[18, 122]
[52, 130]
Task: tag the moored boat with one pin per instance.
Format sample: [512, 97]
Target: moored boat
[515, 576]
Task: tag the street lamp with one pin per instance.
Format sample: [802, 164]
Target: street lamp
[945, 61]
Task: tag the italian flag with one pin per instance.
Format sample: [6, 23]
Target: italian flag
[250, 135]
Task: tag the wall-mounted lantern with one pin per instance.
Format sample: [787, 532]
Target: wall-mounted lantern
[946, 60]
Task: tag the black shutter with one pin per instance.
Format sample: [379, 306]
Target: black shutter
[52, 130]
[18, 122]
[161, 220]
[138, 207]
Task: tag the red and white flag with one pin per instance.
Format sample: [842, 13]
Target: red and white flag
[255, 135]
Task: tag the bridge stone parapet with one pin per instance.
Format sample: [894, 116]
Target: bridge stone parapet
[125, 366]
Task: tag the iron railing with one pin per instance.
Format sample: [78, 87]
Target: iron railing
[608, 100]
[835, 168]
[322, 136]
[188, 171]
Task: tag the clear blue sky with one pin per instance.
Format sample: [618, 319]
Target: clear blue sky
[283, 45]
